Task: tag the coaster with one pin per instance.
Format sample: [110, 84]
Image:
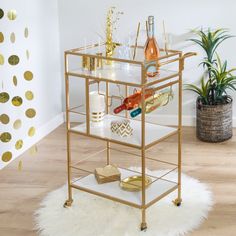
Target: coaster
[107, 174]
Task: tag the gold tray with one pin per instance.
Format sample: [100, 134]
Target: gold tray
[134, 183]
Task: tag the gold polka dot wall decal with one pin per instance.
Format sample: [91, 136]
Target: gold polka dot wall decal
[5, 137]
[28, 75]
[17, 101]
[4, 97]
[30, 113]
[6, 156]
[12, 15]
[15, 80]
[19, 144]
[29, 95]
[13, 60]
[27, 54]
[13, 37]
[4, 118]
[1, 13]
[1, 59]
[17, 124]
[26, 33]
[31, 131]
[1, 37]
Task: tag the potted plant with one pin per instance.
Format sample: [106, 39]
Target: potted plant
[213, 105]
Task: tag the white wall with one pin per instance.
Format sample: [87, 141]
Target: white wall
[83, 19]
[41, 18]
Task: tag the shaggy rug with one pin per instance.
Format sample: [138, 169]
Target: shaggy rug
[95, 216]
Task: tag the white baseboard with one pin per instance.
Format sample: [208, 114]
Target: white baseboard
[172, 120]
[42, 131]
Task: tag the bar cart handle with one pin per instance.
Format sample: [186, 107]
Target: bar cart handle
[186, 55]
[189, 54]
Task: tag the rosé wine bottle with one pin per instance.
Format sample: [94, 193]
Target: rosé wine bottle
[151, 50]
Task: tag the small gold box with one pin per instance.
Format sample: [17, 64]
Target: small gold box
[99, 61]
[84, 62]
[107, 174]
[91, 64]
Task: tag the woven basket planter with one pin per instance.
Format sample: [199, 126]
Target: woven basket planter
[214, 122]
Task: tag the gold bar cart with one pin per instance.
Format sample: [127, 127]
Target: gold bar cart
[146, 134]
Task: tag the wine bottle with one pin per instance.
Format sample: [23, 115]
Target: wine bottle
[133, 101]
[151, 50]
[153, 102]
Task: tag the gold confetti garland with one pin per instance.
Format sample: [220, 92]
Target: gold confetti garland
[1, 59]
[28, 75]
[4, 118]
[17, 101]
[4, 97]
[27, 54]
[14, 80]
[30, 113]
[6, 156]
[29, 95]
[17, 124]
[1, 13]
[12, 15]
[31, 131]
[5, 137]
[13, 37]
[19, 144]
[13, 60]
[26, 32]
[1, 37]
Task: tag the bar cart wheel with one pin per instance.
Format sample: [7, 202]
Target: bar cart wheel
[177, 202]
[68, 203]
[143, 226]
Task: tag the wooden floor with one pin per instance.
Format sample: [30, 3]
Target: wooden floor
[21, 192]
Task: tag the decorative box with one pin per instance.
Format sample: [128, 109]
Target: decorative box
[107, 174]
[121, 128]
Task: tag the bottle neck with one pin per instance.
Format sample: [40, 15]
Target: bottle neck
[151, 30]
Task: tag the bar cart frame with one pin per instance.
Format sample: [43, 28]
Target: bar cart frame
[171, 56]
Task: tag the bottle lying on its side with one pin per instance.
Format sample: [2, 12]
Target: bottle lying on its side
[155, 101]
[133, 101]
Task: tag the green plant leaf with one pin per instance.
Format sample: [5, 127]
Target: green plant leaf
[220, 79]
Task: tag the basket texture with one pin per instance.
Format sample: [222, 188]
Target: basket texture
[214, 122]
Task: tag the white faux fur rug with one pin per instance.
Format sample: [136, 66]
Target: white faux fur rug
[95, 216]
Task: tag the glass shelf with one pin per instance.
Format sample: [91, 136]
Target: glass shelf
[122, 70]
[158, 189]
[129, 74]
[102, 131]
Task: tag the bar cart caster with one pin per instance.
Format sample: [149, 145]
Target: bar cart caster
[143, 226]
[68, 203]
[177, 202]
